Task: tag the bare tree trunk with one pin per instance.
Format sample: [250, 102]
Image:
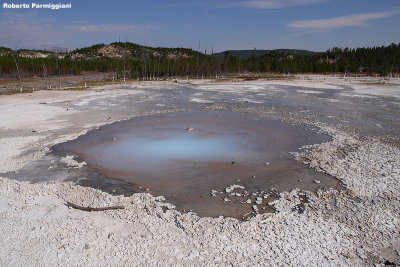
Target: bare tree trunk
[391, 68]
[59, 73]
[19, 75]
[197, 63]
[45, 74]
[124, 60]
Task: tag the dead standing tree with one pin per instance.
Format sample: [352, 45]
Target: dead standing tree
[393, 63]
[19, 75]
[124, 59]
[45, 74]
[59, 71]
[197, 60]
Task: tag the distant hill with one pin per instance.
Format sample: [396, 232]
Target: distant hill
[248, 53]
[60, 49]
[115, 50]
[131, 50]
[5, 51]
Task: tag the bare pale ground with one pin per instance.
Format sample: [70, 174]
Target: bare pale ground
[355, 227]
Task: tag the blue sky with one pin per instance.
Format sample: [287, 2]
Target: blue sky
[236, 24]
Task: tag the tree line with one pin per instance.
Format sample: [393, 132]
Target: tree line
[135, 61]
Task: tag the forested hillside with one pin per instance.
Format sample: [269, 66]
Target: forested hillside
[135, 61]
[256, 52]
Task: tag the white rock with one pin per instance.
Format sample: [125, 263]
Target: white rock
[255, 208]
[233, 187]
[258, 201]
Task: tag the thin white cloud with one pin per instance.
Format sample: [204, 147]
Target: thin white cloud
[273, 4]
[253, 4]
[39, 34]
[341, 22]
[16, 34]
[18, 14]
[110, 28]
[295, 35]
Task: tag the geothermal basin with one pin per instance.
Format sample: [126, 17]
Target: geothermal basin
[210, 162]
